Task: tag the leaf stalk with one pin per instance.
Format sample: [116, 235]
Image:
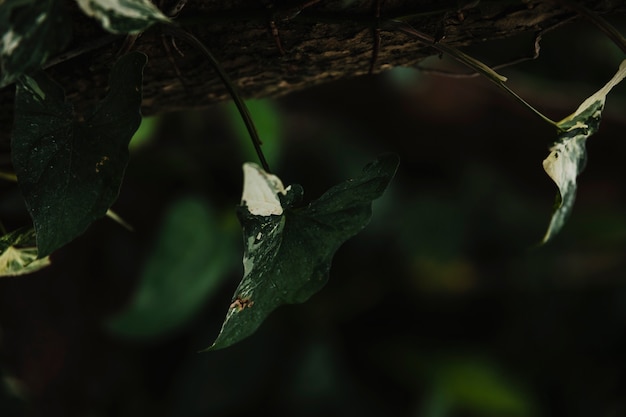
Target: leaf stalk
[186, 36]
[473, 63]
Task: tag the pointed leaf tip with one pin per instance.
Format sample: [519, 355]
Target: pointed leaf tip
[598, 96]
[287, 256]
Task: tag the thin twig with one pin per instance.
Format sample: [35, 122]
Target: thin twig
[532, 57]
[465, 59]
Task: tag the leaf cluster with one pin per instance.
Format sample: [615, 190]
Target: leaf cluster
[70, 165]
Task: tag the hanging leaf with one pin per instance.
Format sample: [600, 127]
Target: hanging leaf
[568, 155]
[288, 249]
[70, 167]
[190, 259]
[18, 254]
[123, 16]
[30, 32]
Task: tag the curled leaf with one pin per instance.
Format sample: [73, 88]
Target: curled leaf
[568, 154]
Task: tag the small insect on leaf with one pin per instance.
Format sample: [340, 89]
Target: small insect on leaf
[568, 154]
[18, 254]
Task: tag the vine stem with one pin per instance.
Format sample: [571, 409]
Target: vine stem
[473, 63]
[186, 36]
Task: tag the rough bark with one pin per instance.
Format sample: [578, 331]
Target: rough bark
[327, 41]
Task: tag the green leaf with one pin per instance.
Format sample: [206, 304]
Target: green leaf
[288, 250]
[123, 16]
[70, 167]
[190, 259]
[568, 154]
[32, 31]
[18, 253]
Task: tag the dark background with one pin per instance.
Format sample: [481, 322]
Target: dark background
[443, 306]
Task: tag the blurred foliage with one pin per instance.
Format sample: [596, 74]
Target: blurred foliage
[191, 257]
[145, 133]
[442, 307]
[267, 119]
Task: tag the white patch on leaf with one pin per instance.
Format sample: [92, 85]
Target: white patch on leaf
[600, 95]
[10, 41]
[131, 10]
[20, 261]
[564, 162]
[253, 244]
[568, 155]
[260, 191]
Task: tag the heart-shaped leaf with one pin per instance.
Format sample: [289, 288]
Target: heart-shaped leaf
[289, 249]
[568, 155]
[70, 167]
[30, 32]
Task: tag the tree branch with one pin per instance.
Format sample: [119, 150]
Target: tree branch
[324, 42]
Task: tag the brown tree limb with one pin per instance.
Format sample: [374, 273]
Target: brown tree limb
[325, 42]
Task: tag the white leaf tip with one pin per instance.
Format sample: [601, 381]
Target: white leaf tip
[260, 191]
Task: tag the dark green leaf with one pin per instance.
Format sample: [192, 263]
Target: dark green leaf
[31, 31]
[123, 16]
[18, 253]
[70, 167]
[288, 250]
[568, 155]
[191, 257]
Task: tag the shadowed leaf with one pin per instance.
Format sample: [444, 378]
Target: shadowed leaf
[70, 167]
[31, 31]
